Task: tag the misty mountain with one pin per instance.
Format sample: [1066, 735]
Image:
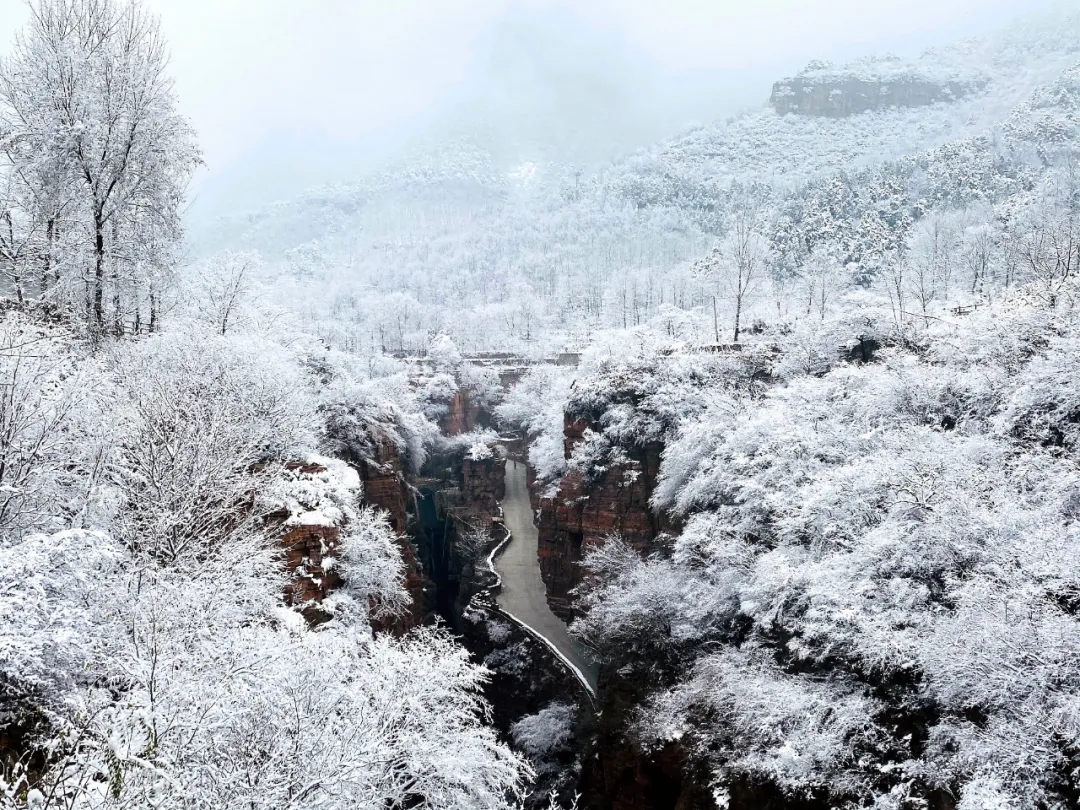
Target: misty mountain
[544, 87]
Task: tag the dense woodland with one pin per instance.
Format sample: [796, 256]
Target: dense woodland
[543, 256]
[149, 428]
[854, 339]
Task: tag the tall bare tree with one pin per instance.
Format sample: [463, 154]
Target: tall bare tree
[89, 127]
[737, 264]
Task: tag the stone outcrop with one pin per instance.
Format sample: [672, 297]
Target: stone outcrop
[581, 514]
[836, 92]
[483, 483]
[385, 487]
[383, 477]
[310, 540]
[307, 548]
[463, 414]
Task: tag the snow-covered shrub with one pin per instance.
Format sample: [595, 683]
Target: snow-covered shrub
[527, 406]
[798, 733]
[371, 564]
[55, 435]
[476, 445]
[894, 539]
[547, 732]
[436, 392]
[52, 596]
[358, 415]
[497, 631]
[650, 613]
[202, 415]
[331, 715]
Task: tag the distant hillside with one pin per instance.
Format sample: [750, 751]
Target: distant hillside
[465, 243]
[545, 86]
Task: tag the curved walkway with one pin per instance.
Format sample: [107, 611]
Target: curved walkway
[523, 595]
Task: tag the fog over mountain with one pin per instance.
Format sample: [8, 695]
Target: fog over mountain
[542, 87]
[525, 405]
[556, 84]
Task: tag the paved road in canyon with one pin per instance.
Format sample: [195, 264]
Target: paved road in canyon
[523, 595]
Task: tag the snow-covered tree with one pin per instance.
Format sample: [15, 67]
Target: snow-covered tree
[91, 132]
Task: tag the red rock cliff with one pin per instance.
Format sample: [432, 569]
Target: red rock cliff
[309, 541]
[580, 515]
[384, 483]
[463, 415]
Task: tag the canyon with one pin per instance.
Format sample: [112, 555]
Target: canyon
[495, 555]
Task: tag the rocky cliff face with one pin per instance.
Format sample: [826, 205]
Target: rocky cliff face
[384, 481]
[836, 92]
[307, 539]
[307, 549]
[581, 514]
[483, 483]
[463, 414]
[383, 478]
[457, 511]
[309, 542]
[616, 773]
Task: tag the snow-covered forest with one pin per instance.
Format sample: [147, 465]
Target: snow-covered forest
[541, 257]
[154, 432]
[829, 343]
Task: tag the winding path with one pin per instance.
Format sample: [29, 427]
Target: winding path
[523, 595]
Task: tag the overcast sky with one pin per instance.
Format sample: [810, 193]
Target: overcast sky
[249, 70]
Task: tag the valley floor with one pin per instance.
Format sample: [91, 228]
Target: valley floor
[523, 593]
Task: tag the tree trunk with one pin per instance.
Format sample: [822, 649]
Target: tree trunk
[46, 267]
[97, 314]
[118, 315]
[13, 257]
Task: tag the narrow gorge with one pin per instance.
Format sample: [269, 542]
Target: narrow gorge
[498, 559]
[486, 435]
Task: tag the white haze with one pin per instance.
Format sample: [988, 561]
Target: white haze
[835, 354]
[286, 95]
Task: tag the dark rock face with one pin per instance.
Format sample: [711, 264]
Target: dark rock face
[836, 92]
[582, 514]
[457, 503]
[621, 776]
[383, 478]
[455, 506]
[463, 414]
